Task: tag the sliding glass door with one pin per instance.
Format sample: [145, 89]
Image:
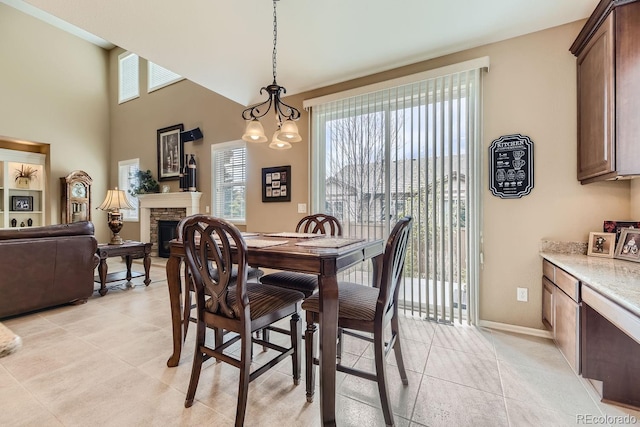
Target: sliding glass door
[409, 150]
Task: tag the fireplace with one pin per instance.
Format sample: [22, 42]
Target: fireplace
[166, 232]
[165, 207]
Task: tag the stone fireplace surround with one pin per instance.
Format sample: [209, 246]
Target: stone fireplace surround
[164, 206]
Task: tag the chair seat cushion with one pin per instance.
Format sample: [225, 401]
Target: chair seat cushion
[356, 301]
[305, 283]
[263, 299]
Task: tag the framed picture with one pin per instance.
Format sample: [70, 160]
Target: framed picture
[628, 246]
[170, 152]
[22, 203]
[601, 244]
[617, 226]
[276, 184]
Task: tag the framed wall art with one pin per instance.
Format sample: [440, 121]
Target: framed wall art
[276, 184]
[628, 246]
[22, 203]
[601, 244]
[170, 152]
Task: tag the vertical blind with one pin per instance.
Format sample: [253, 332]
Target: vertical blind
[412, 149]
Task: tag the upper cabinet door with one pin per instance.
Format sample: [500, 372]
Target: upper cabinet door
[608, 52]
[596, 104]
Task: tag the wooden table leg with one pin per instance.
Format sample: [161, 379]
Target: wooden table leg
[147, 264]
[328, 335]
[173, 282]
[127, 260]
[102, 272]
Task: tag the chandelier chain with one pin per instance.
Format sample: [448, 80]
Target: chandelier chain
[282, 110]
[275, 40]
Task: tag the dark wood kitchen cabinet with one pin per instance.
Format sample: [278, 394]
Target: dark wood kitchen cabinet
[608, 86]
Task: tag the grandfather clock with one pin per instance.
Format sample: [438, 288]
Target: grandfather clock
[75, 201]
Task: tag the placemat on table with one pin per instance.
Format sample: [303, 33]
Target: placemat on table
[329, 242]
[263, 243]
[294, 235]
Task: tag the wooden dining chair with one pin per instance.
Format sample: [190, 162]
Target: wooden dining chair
[252, 274]
[236, 308]
[368, 309]
[305, 283]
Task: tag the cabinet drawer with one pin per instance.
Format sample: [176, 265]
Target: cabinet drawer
[569, 284]
[548, 270]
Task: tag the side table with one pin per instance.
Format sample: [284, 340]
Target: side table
[129, 250]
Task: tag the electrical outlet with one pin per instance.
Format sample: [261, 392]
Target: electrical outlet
[302, 208]
[523, 294]
[206, 209]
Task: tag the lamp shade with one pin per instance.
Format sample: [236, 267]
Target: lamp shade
[277, 143]
[254, 132]
[115, 200]
[289, 132]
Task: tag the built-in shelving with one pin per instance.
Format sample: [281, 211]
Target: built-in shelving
[22, 200]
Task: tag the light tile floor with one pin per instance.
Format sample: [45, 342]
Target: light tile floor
[104, 364]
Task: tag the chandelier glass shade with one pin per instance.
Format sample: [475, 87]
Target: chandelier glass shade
[285, 114]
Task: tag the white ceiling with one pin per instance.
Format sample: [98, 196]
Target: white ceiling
[226, 45]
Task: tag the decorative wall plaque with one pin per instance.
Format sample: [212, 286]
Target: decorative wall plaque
[511, 166]
[276, 184]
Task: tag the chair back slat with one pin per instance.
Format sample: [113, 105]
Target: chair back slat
[393, 265]
[320, 224]
[208, 243]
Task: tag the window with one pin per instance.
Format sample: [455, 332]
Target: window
[126, 178]
[409, 147]
[229, 172]
[159, 77]
[128, 84]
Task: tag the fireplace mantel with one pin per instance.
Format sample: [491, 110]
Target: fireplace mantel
[188, 200]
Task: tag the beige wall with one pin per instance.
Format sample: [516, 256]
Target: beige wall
[54, 91]
[530, 89]
[134, 126]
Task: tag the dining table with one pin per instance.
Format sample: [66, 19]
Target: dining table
[322, 256]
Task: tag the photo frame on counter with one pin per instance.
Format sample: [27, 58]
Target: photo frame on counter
[601, 244]
[617, 226]
[170, 152]
[276, 184]
[628, 247]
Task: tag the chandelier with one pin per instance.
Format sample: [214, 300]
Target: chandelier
[285, 114]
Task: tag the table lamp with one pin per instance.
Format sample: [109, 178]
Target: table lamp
[113, 202]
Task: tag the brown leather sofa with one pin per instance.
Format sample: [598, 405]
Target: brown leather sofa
[42, 267]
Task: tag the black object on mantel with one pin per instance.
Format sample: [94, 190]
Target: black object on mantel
[191, 174]
[183, 174]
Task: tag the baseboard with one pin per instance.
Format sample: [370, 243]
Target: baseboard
[516, 329]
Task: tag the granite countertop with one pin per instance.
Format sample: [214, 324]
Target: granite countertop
[615, 279]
